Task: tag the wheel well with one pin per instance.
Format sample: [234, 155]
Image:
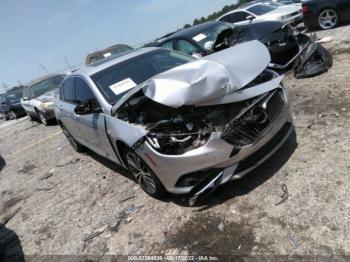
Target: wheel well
[121, 146]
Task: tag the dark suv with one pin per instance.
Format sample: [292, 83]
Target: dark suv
[10, 103]
[324, 13]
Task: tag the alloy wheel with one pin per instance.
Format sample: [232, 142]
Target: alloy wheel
[328, 19]
[141, 172]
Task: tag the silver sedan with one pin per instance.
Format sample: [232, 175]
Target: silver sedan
[180, 125]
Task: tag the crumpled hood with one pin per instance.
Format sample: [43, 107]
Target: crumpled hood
[48, 97]
[208, 78]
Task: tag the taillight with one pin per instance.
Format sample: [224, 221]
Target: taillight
[305, 9]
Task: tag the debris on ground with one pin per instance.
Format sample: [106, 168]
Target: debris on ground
[284, 196]
[73, 161]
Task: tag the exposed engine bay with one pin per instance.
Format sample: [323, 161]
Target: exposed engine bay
[175, 131]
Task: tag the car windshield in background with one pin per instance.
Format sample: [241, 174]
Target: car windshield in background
[14, 95]
[261, 9]
[46, 85]
[115, 81]
[207, 38]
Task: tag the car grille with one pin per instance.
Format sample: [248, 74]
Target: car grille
[252, 122]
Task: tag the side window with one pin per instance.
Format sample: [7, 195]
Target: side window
[186, 47]
[168, 45]
[228, 18]
[241, 16]
[82, 91]
[67, 90]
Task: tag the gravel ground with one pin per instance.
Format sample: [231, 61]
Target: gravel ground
[58, 202]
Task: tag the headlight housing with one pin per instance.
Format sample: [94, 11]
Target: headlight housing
[175, 137]
[47, 105]
[177, 144]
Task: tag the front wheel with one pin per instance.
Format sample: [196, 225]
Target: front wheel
[144, 175]
[43, 118]
[13, 115]
[328, 19]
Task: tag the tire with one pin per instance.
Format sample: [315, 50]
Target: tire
[31, 118]
[74, 143]
[42, 118]
[328, 19]
[143, 174]
[13, 115]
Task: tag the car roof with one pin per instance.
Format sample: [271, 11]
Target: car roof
[189, 32]
[33, 82]
[100, 65]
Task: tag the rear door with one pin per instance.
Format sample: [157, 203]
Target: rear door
[91, 127]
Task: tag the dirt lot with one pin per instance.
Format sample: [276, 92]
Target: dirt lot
[58, 202]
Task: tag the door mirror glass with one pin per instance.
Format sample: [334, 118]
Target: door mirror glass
[25, 98]
[88, 107]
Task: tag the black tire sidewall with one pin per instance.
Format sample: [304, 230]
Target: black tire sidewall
[160, 191]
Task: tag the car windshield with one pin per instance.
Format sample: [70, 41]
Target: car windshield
[46, 85]
[115, 81]
[261, 9]
[15, 94]
[207, 38]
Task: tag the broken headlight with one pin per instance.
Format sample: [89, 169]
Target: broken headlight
[176, 144]
[176, 136]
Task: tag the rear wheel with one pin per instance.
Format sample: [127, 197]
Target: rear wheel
[328, 19]
[143, 175]
[75, 144]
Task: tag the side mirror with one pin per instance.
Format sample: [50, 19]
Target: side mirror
[87, 107]
[25, 98]
[250, 18]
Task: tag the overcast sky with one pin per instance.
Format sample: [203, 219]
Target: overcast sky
[46, 31]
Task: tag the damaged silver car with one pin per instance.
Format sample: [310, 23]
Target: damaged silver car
[180, 125]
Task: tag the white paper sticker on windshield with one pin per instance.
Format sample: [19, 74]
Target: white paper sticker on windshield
[107, 54]
[122, 86]
[199, 37]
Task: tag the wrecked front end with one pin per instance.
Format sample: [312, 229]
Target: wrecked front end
[290, 49]
[203, 124]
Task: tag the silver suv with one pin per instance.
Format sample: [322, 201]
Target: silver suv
[178, 124]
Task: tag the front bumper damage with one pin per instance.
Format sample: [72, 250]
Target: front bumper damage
[237, 111]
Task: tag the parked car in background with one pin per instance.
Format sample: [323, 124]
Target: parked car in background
[324, 13]
[38, 97]
[286, 45]
[261, 12]
[178, 124]
[10, 103]
[101, 54]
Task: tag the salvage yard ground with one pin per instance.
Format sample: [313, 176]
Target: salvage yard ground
[58, 202]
